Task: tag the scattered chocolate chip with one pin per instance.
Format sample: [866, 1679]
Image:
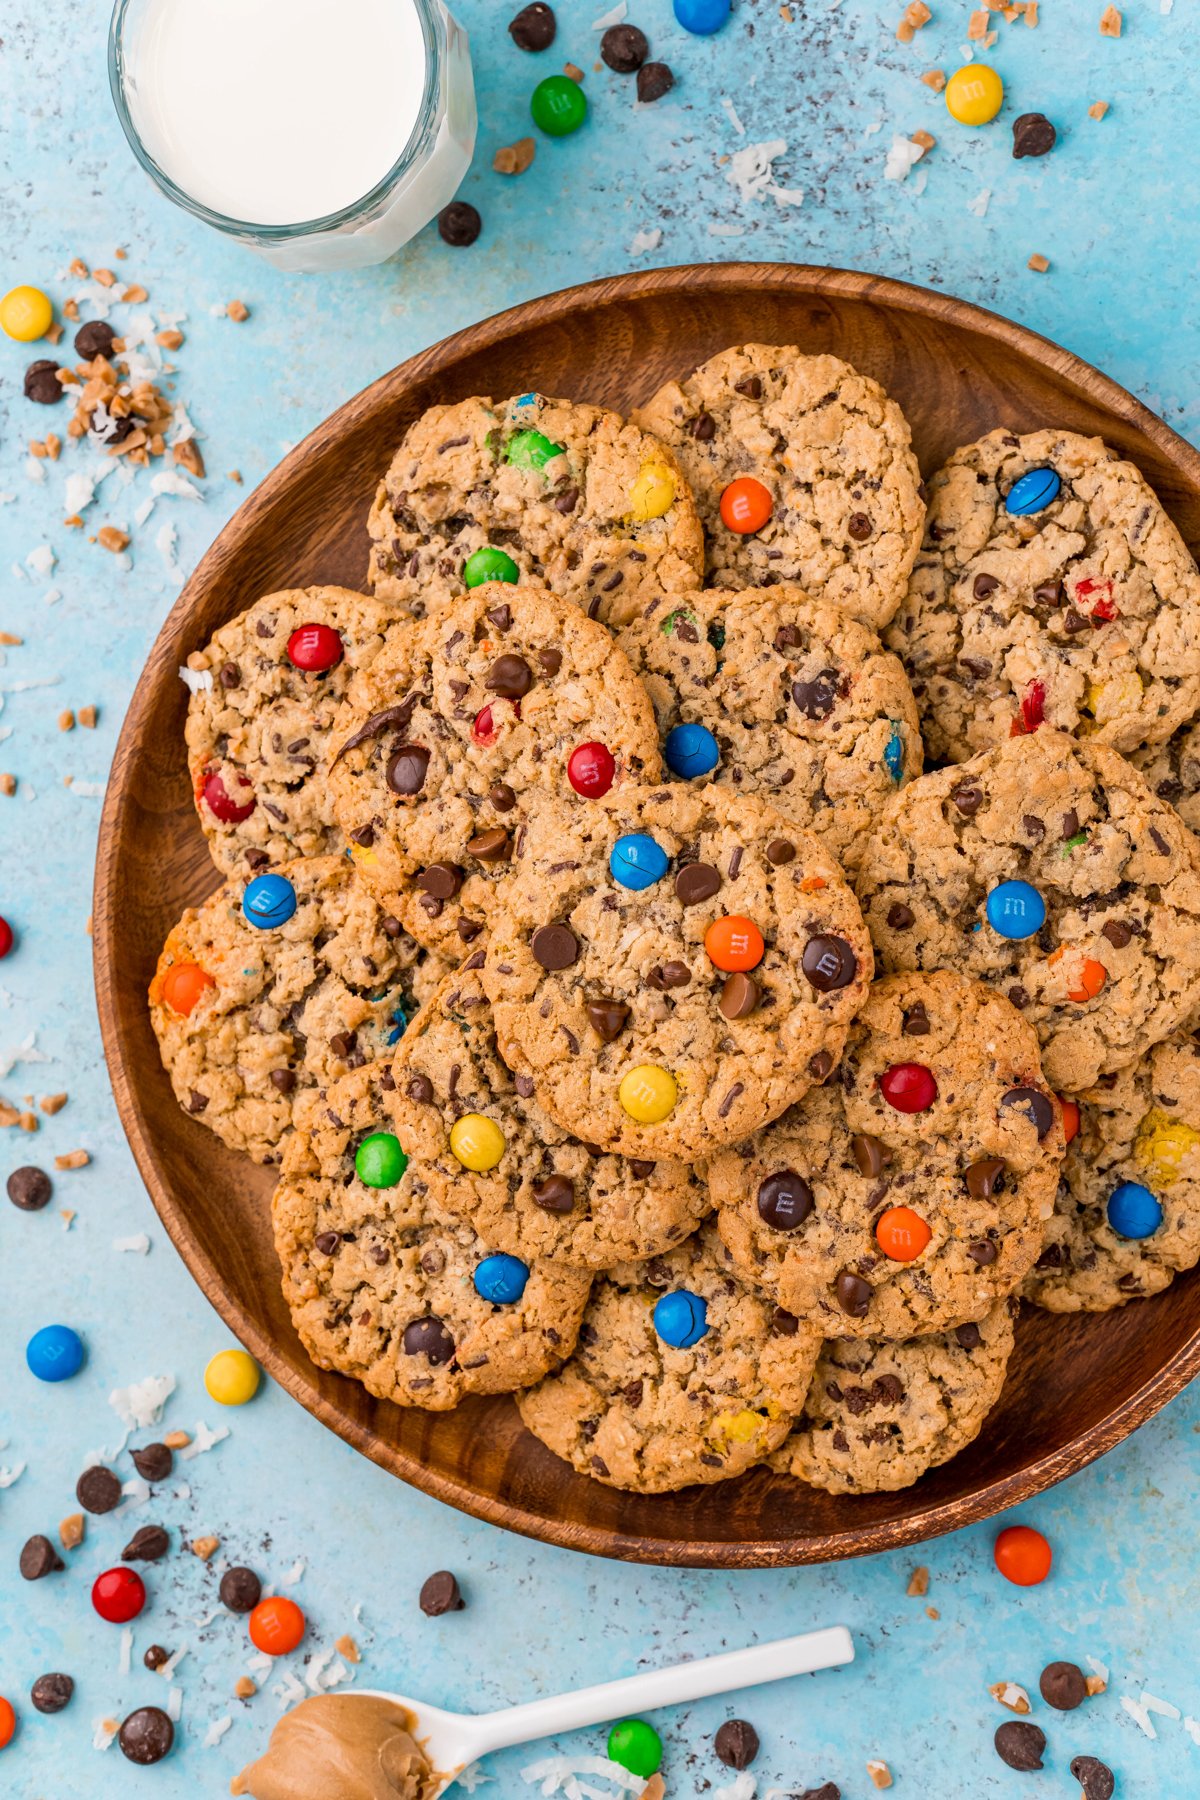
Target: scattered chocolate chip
[784, 1200]
[153, 1462]
[1020, 1744]
[50, 1693]
[554, 946]
[696, 882]
[1062, 1686]
[441, 1594]
[29, 1188]
[155, 1657]
[441, 880]
[146, 1736]
[783, 1323]
[240, 1590]
[868, 1154]
[98, 1490]
[816, 698]
[94, 339]
[984, 585]
[38, 1558]
[739, 996]
[534, 27]
[1117, 932]
[968, 1337]
[1038, 1107]
[502, 797]
[654, 79]
[1033, 135]
[231, 675]
[860, 527]
[829, 963]
[820, 1065]
[982, 1253]
[148, 1544]
[983, 1177]
[624, 48]
[459, 224]
[42, 384]
[828, 1790]
[406, 769]
[428, 1337]
[551, 659]
[967, 798]
[1094, 1777]
[607, 1017]
[736, 1743]
[853, 1294]
[900, 917]
[490, 846]
[916, 1021]
[420, 1089]
[510, 677]
[780, 851]
[283, 1080]
[556, 1194]
[669, 975]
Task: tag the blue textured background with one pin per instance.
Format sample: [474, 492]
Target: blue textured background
[1115, 208]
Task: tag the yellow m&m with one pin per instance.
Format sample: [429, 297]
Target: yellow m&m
[26, 314]
[477, 1143]
[232, 1377]
[652, 494]
[648, 1094]
[974, 94]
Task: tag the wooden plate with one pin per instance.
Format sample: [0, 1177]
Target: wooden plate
[1077, 1386]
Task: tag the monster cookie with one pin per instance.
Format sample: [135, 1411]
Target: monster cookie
[1051, 586]
[546, 492]
[910, 1192]
[271, 987]
[1046, 867]
[879, 1414]
[385, 1286]
[681, 1375]
[803, 471]
[1127, 1218]
[458, 721]
[781, 696]
[257, 732]
[1173, 771]
[673, 968]
[487, 1151]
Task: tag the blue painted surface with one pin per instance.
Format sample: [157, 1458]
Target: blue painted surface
[1114, 209]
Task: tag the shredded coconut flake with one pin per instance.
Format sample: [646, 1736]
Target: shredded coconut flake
[196, 681]
[1192, 1727]
[615, 15]
[12, 1473]
[175, 1703]
[136, 1492]
[742, 1787]
[294, 1574]
[752, 173]
[1097, 1667]
[142, 1403]
[316, 1668]
[41, 561]
[289, 1690]
[980, 203]
[216, 1732]
[902, 156]
[731, 113]
[166, 542]
[1139, 1715]
[170, 481]
[472, 1777]
[203, 1439]
[1163, 1708]
[167, 1669]
[125, 1660]
[560, 1775]
[138, 1245]
[103, 1733]
[641, 241]
[27, 1050]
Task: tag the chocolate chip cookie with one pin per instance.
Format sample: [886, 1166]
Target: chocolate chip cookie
[910, 1192]
[459, 720]
[385, 1286]
[681, 1375]
[879, 1414]
[550, 493]
[248, 1018]
[257, 735]
[803, 471]
[783, 696]
[488, 1152]
[1046, 867]
[673, 968]
[1051, 586]
[1127, 1217]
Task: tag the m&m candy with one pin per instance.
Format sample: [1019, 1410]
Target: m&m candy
[6, 937]
[269, 901]
[691, 750]
[681, 1318]
[591, 770]
[893, 753]
[489, 564]
[315, 648]
[734, 943]
[902, 1234]
[1070, 1119]
[1133, 1211]
[379, 1162]
[531, 450]
[232, 1377]
[184, 985]
[229, 808]
[700, 17]
[276, 1626]
[119, 1595]
[54, 1353]
[1015, 910]
[633, 1744]
[476, 1142]
[909, 1087]
[648, 1094]
[558, 106]
[501, 1279]
[652, 494]
[8, 1722]
[1032, 492]
[1022, 1555]
[746, 505]
[974, 94]
[637, 862]
[26, 314]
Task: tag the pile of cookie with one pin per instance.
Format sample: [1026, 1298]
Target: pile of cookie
[634, 1026]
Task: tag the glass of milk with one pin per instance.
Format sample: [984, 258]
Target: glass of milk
[323, 133]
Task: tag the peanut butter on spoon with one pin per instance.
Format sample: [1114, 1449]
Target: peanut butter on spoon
[342, 1747]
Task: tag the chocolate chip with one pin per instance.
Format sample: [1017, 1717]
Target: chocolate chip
[509, 676]
[29, 1188]
[148, 1544]
[784, 1200]
[42, 384]
[283, 1080]
[1020, 1744]
[1033, 135]
[983, 1177]
[231, 675]
[534, 27]
[502, 797]
[459, 224]
[780, 851]
[155, 1657]
[328, 1242]
[555, 946]
[984, 585]
[153, 1462]
[982, 1253]
[868, 1154]
[38, 1558]
[1117, 932]
[860, 527]
[1062, 1686]
[968, 1337]
[828, 1790]
[820, 1065]
[669, 975]
[1094, 1777]
[1073, 622]
[624, 48]
[739, 996]
[440, 1594]
[900, 917]
[696, 882]
[94, 339]
[428, 1337]
[406, 769]
[916, 1021]
[1037, 1107]
[968, 799]
[783, 1323]
[704, 430]
[1050, 593]
[829, 963]
[98, 1490]
[1033, 827]
[736, 1743]
[146, 1736]
[816, 698]
[50, 1693]
[441, 880]
[500, 616]
[654, 79]
[556, 1194]
[853, 1294]
[551, 661]
[420, 1089]
[491, 846]
[240, 1590]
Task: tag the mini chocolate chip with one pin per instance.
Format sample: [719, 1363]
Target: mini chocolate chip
[669, 975]
[900, 917]
[751, 387]
[551, 661]
[780, 851]
[146, 1736]
[1094, 1777]
[968, 1337]
[641, 1168]
[240, 1590]
[1073, 622]
[1033, 135]
[440, 1594]
[967, 798]
[983, 1177]
[231, 675]
[502, 797]
[534, 27]
[1033, 827]
[624, 48]
[820, 1065]
[554, 946]
[459, 224]
[868, 1154]
[98, 1490]
[916, 1021]
[704, 430]
[420, 1089]
[696, 882]
[654, 79]
[39, 1557]
[607, 1017]
[406, 769]
[860, 527]
[94, 339]
[853, 1294]
[283, 1080]
[784, 1200]
[42, 384]
[982, 1253]
[784, 1323]
[556, 1194]
[155, 1657]
[984, 585]
[428, 1337]
[50, 1693]
[441, 880]
[509, 676]
[29, 1188]
[829, 963]
[1117, 932]
[736, 1743]
[1037, 1107]
[739, 996]
[328, 1242]
[153, 1462]
[1062, 1686]
[491, 846]
[148, 1544]
[816, 698]
[1020, 1744]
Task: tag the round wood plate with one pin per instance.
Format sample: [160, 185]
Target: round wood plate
[1076, 1386]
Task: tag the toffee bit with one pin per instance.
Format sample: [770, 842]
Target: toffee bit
[1110, 22]
[918, 1582]
[110, 537]
[244, 1688]
[238, 311]
[514, 159]
[1038, 263]
[1097, 109]
[73, 1159]
[1009, 1694]
[881, 1775]
[135, 295]
[66, 720]
[71, 1531]
[348, 1649]
[87, 716]
[205, 1547]
[935, 79]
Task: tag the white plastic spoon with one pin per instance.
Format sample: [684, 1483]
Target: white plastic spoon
[452, 1741]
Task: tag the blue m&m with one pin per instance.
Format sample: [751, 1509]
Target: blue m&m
[691, 750]
[501, 1279]
[1133, 1211]
[702, 17]
[681, 1318]
[54, 1353]
[1032, 492]
[893, 754]
[636, 861]
[269, 900]
[1015, 910]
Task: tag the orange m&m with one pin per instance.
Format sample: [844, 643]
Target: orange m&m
[746, 505]
[1092, 978]
[734, 943]
[902, 1234]
[183, 985]
[1022, 1555]
[276, 1626]
[8, 1722]
[1070, 1113]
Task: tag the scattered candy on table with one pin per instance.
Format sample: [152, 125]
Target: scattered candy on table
[379, 1161]
[1015, 910]
[26, 314]
[558, 106]
[691, 750]
[1133, 1211]
[489, 564]
[315, 648]
[8, 1722]
[974, 94]
[1022, 1555]
[701, 17]
[681, 1318]
[637, 862]
[6, 937]
[476, 1142]
[909, 1087]
[54, 1353]
[146, 1736]
[119, 1595]
[648, 1094]
[269, 901]
[591, 770]
[1032, 492]
[746, 505]
[636, 1746]
[276, 1626]
[501, 1279]
[232, 1377]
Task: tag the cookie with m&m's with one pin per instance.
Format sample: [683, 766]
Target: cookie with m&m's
[264, 694]
[386, 1286]
[803, 471]
[673, 967]
[460, 720]
[910, 1192]
[547, 493]
[779, 695]
[1051, 588]
[1046, 867]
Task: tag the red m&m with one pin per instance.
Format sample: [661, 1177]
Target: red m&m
[6, 937]
[909, 1087]
[229, 808]
[591, 770]
[746, 505]
[119, 1595]
[484, 729]
[315, 648]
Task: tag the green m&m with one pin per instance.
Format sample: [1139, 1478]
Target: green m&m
[531, 450]
[636, 1746]
[558, 105]
[489, 564]
[379, 1161]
